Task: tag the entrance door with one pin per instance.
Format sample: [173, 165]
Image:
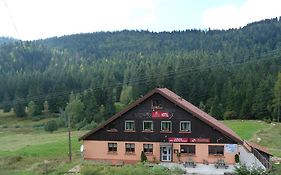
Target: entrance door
[166, 153]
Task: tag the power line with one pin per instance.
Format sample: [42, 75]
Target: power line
[146, 79]
[11, 18]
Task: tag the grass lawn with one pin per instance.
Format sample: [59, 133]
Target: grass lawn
[246, 129]
[28, 149]
[265, 134]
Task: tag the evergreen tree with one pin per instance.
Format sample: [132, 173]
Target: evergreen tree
[19, 103]
[19, 108]
[7, 103]
[75, 109]
[277, 97]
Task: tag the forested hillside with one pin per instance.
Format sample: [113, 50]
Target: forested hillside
[229, 74]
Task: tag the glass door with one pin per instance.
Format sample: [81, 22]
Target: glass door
[166, 153]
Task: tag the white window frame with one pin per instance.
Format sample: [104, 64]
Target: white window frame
[166, 122]
[130, 121]
[113, 144]
[181, 130]
[147, 121]
[149, 148]
[131, 147]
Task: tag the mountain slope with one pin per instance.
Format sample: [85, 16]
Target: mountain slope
[229, 74]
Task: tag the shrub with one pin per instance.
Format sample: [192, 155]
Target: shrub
[81, 124]
[17, 126]
[15, 159]
[92, 125]
[244, 170]
[237, 158]
[143, 157]
[51, 126]
[38, 126]
[229, 115]
[5, 126]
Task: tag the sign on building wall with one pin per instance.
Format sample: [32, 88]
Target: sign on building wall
[188, 140]
[199, 140]
[178, 140]
[160, 114]
[231, 148]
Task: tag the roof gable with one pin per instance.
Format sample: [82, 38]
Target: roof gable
[174, 98]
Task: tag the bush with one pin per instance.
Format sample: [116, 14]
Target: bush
[137, 169]
[37, 117]
[244, 170]
[237, 158]
[81, 124]
[5, 126]
[51, 126]
[229, 115]
[143, 157]
[92, 125]
[17, 126]
[38, 126]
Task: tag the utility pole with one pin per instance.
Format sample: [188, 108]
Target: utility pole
[278, 116]
[69, 138]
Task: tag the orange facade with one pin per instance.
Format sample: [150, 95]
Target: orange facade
[98, 150]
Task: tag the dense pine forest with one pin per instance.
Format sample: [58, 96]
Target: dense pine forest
[230, 74]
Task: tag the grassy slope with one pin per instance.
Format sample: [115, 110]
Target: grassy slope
[25, 149]
[246, 129]
[269, 135]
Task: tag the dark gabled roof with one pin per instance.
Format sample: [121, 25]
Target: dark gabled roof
[206, 118]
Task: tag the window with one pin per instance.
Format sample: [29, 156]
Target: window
[130, 125]
[130, 147]
[166, 126]
[111, 128]
[112, 147]
[156, 103]
[185, 126]
[147, 125]
[189, 149]
[216, 150]
[148, 148]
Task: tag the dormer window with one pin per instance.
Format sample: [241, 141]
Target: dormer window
[166, 126]
[185, 126]
[147, 126]
[156, 104]
[129, 125]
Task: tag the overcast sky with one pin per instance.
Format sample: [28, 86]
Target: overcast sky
[39, 19]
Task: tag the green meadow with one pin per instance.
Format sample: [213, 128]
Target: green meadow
[26, 148]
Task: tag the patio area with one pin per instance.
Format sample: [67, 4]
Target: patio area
[201, 169]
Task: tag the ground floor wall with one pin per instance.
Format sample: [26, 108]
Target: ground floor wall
[98, 150]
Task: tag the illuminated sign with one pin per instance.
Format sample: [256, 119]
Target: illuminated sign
[160, 114]
[178, 140]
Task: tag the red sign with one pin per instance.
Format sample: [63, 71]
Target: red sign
[199, 140]
[160, 114]
[178, 140]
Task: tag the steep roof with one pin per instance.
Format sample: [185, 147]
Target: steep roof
[206, 118]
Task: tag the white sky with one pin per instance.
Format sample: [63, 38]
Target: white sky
[35, 19]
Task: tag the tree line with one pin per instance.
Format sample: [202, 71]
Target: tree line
[231, 74]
